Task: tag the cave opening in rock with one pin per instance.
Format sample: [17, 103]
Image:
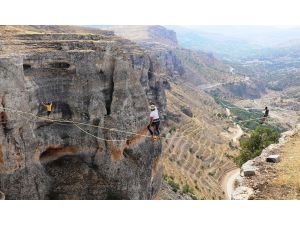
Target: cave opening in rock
[55, 152]
[26, 66]
[108, 95]
[150, 75]
[112, 195]
[3, 122]
[65, 109]
[60, 65]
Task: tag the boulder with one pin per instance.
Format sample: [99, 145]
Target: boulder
[248, 171]
[242, 193]
[187, 111]
[273, 158]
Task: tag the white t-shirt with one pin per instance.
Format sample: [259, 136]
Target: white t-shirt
[154, 114]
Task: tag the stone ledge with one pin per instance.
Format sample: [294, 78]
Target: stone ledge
[273, 158]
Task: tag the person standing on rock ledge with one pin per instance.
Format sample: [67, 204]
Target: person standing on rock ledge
[154, 122]
[49, 108]
[265, 115]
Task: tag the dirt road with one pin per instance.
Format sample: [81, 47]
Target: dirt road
[228, 182]
[238, 135]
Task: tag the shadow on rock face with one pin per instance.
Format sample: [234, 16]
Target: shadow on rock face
[76, 177]
[55, 152]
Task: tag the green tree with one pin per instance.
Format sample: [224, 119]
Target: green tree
[260, 138]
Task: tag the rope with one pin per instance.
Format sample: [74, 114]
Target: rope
[67, 122]
[97, 136]
[72, 122]
[63, 122]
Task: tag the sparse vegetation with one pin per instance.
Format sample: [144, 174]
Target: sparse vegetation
[222, 115]
[172, 129]
[231, 145]
[252, 147]
[187, 190]
[170, 180]
[247, 119]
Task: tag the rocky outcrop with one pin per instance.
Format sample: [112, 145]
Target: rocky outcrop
[94, 79]
[248, 186]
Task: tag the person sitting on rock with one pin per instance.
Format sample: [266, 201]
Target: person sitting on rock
[154, 122]
[49, 108]
[266, 114]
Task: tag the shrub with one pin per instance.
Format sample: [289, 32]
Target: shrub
[186, 189]
[172, 129]
[252, 147]
[174, 185]
[171, 182]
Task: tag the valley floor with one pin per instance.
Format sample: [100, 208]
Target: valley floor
[282, 109]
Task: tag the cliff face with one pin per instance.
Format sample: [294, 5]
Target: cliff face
[96, 79]
[159, 42]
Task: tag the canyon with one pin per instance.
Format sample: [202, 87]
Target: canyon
[95, 143]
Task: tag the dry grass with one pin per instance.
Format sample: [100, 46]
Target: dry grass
[289, 169]
[135, 33]
[282, 180]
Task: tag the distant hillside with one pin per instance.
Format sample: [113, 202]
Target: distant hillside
[221, 45]
[145, 34]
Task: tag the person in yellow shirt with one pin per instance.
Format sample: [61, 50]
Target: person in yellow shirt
[48, 107]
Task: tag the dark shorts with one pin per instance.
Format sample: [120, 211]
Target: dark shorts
[154, 124]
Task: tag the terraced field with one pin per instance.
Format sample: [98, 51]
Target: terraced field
[194, 151]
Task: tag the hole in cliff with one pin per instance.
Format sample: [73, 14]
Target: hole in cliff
[3, 117]
[73, 177]
[96, 121]
[129, 153]
[114, 196]
[53, 153]
[26, 66]
[66, 110]
[150, 75]
[60, 65]
[101, 71]
[3, 122]
[108, 95]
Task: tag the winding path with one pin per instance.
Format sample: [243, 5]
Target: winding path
[228, 182]
[238, 135]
